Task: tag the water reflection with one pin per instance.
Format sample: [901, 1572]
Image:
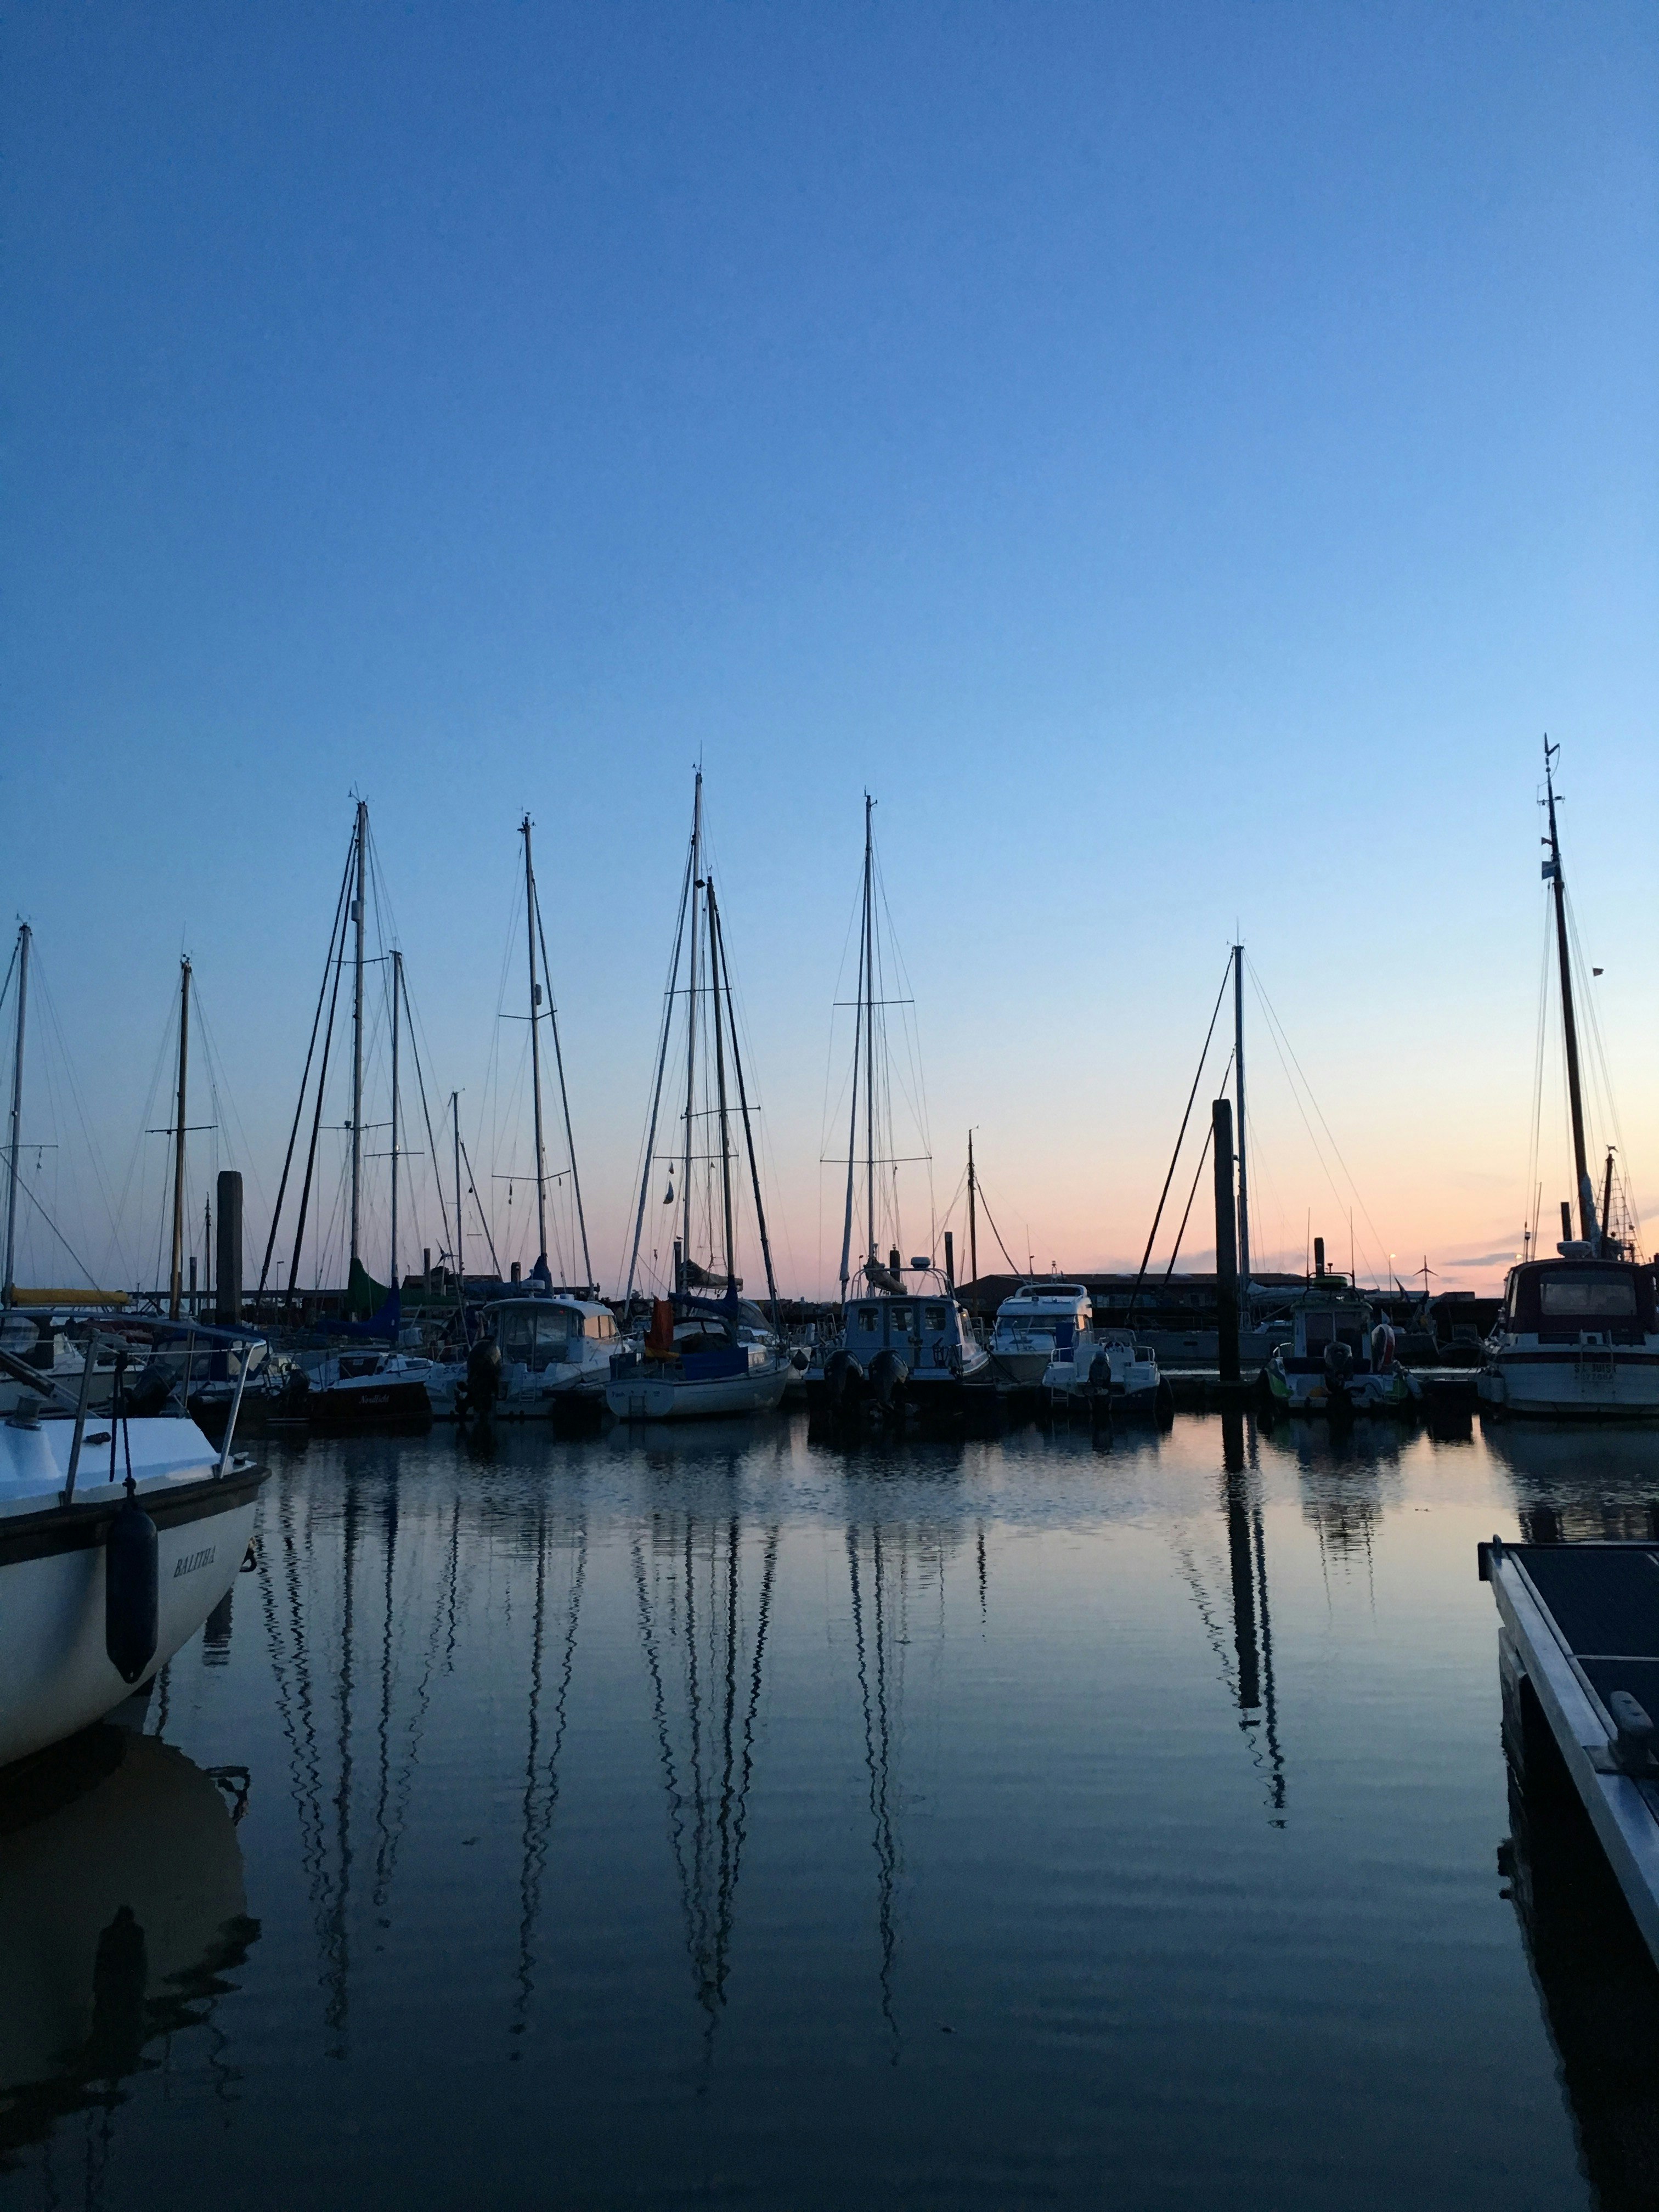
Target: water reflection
[1570, 1483]
[1597, 1982]
[122, 1910]
[702, 1633]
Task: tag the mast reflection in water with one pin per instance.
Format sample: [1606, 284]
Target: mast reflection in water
[725, 1815]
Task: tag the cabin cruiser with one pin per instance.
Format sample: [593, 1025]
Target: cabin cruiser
[699, 1358]
[119, 1533]
[1575, 1336]
[1040, 1323]
[1340, 1360]
[536, 1355]
[900, 1346]
[1111, 1370]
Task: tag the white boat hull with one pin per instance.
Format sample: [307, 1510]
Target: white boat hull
[670, 1398]
[55, 1675]
[1593, 1384]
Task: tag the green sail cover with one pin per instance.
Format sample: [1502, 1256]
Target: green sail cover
[364, 1296]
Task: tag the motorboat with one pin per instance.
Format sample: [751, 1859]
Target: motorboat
[1109, 1371]
[119, 1532]
[536, 1355]
[1341, 1358]
[697, 1359]
[364, 1388]
[1041, 1322]
[901, 1349]
[1575, 1337]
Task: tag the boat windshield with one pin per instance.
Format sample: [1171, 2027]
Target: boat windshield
[1594, 1297]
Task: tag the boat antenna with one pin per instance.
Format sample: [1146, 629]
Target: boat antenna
[534, 1045]
[25, 935]
[1553, 875]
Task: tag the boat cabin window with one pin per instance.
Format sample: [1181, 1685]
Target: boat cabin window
[869, 1319]
[1320, 1328]
[1595, 1297]
[933, 1318]
[517, 1331]
[903, 1315]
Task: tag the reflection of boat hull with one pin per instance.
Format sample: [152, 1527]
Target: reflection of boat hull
[121, 1901]
[55, 1674]
[646, 1396]
[1589, 1384]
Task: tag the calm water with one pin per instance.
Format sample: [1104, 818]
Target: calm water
[734, 1819]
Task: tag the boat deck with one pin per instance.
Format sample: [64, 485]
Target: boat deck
[1583, 1620]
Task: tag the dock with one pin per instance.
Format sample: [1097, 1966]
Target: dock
[1581, 1632]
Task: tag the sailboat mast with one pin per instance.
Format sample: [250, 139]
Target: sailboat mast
[691, 1022]
[25, 935]
[588, 1281]
[460, 1271]
[859, 1041]
[723, 967]
[397, 997]
[1238, 1093]
[535, 1043]
[175, 1291]
[719, 1083]
[973, 1212]
[869, 1036]
[1569, 1023]
[669, 996]
[357, 1035]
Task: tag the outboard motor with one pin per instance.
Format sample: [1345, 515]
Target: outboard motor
[888, 1376]
[150, 1394]
[131, 1590]
[1338, 1368]
[483, 1377]
[844, 1378]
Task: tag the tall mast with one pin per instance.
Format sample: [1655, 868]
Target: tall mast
[669, 997]
[175, 1293]
[588, 1278]
[357, 1035]
[859, 1041]
[719, 1080]
[869, 1038]
[535, 1044]
[691, 1018]
[460, 1271]
[723, 966]
[973, 1212]
[1238, 1093]
[1568, 1024]
[397, 995]
[25, 936]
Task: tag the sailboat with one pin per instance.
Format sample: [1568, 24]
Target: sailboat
[704, 1354]
[900, 1343]
[1578, 1334]
[544, 1349]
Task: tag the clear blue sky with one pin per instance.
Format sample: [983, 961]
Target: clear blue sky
[1181, 458]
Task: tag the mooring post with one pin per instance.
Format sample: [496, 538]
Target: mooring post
[1226, 1244]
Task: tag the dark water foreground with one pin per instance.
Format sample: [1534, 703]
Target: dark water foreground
[732, 1819]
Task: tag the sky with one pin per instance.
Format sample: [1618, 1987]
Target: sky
[1181, 461]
